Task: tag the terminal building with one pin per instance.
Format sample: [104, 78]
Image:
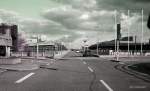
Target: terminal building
[44, 48]
[8, 39]
[134, 46]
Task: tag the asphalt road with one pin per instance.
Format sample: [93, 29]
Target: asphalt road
[73, 73]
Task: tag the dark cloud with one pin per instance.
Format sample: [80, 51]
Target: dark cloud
[141, 1]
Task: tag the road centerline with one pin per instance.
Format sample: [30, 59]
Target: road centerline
[90, 69]
[24, 78]
[106, 85]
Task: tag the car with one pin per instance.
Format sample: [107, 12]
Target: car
[77, 51]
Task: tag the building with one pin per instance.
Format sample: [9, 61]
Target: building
[44, 48]
[5, 40]
[8, 38]
[14, 35]
[134, 46]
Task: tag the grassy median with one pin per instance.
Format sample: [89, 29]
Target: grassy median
[141, 67]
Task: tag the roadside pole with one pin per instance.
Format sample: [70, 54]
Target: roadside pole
[128, 33]
[37, 49]
[115, 33]
[142, 35]
[97, 47]
[118, 39]
[117, 50]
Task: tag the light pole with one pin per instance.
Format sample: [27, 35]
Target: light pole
[37, 45]
[128, 33]
[67, 42]
[115, 16]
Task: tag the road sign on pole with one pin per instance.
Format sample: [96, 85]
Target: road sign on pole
[118, 31]
[118, 39]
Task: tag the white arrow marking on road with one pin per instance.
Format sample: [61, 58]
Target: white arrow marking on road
[24, 78]
[106, 85]
[84, 62]
[90, 69]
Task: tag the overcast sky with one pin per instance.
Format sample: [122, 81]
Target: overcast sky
[76, 20]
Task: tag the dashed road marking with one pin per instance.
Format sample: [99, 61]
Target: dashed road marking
[90, 69]
[84, 62]
[24, 78]
[106, 85]
[3, 70]
[121, 63]
[137, 87]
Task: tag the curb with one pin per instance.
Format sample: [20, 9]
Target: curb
[3, 70]
[18, 69]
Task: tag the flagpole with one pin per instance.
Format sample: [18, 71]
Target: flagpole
[115, 31]
[128, 33]
[142, 35]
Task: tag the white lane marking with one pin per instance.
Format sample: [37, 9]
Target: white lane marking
[48, 64]
[90, 69]
[139, 87]
[106, 85]
[121, 63]
[84, 62]
[24, 78]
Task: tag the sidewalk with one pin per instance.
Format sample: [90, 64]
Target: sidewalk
[26, 64]
[20, 67]
[31, 63]
[128, 58]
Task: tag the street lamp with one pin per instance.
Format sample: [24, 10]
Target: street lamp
[66, 38]
[38, 38]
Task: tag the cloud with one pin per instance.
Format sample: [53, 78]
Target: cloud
[9, 16]
[81, 18]
[66, 15]
[80, 4]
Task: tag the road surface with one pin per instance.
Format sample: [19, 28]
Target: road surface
[73, 73]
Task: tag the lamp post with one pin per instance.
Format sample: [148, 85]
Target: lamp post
[66, 38]
[37, 45]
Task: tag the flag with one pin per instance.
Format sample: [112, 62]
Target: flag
[118, 31]
[148, 23]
